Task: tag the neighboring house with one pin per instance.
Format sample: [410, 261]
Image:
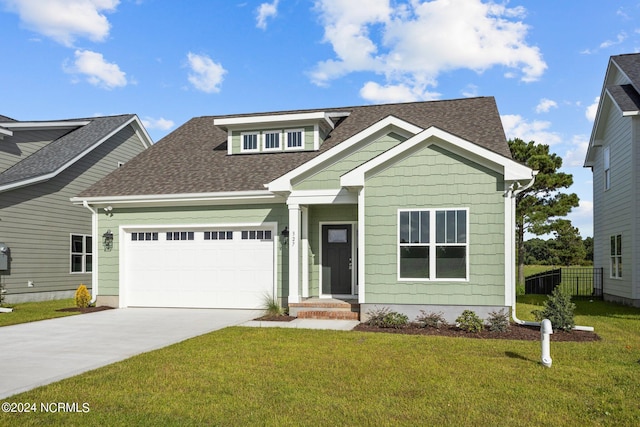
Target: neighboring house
[42, 165]
[614, 157]
[408, 206]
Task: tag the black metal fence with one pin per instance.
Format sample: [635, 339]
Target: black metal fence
[580, 282]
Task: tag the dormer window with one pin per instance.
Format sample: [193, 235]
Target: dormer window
[250, 141]
[294, 138]
[271, 140]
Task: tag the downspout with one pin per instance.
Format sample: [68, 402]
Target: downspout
[512, 193]
[94, 249]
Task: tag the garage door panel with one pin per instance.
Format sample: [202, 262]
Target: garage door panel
[233, 273]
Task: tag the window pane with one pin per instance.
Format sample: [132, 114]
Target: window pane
[462, 227]
[619, 245]
[134, 236]
[337, 235]
[260, 235]
[613, 245]
[404, 227]
[451, 227]
[89, 266]
[440, 226]
[415, 227]
[294, 139]
[89, 244]
[414, 262]
[154, 236]
[619, 267]
[207, 235]
[252, 235]
[76, 243]
[229, 235]
[267, 234]
[76, 263]
[245, 235]
[451, 262]
[190, 235]
[424, 227]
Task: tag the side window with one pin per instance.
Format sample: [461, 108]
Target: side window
[607, 168]
[81, 253]
[615, 267]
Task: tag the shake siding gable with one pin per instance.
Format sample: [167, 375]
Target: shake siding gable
[329, 177]
[430, 178]
[38, 220]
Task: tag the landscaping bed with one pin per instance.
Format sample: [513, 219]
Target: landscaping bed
[276, 318]
[85, 309]
[515, 332]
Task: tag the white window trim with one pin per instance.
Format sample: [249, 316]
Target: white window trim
[286, 139]
[432, 245]
[616, 259]
[84, 253]
[250, 150]
[280, 140]
[606, 167]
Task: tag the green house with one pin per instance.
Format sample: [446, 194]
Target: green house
[408, 206]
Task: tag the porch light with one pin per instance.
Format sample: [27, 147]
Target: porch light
[285, 235]
[107, 240]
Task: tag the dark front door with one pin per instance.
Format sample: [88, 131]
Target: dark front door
[336, 259]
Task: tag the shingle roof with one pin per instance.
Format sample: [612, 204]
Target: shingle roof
[194, 159]
[58, 153]
[630, 65]
[625, 96]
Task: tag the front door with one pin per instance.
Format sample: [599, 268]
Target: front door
[337, 262]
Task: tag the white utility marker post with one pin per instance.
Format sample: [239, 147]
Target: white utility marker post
[545, 331]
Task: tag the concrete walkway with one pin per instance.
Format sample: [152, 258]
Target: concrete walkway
[39, 353]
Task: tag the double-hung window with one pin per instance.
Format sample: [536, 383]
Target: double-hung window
[616, 257]
[433, 244]
[249, 141]
[271, 140]
[81, 253]
[294, 138]
[607, 168]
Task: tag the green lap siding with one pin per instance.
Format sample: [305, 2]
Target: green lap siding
[432, 178]
[329, 176]
[109, 272]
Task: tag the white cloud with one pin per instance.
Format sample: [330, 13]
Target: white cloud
[517, 127]
[265, 11]
[374, 92]
[574, 157]
[160, 124]
[545, 105]
[65, 20]
[205, 74]
[97, 71]
[413, 42]
[619, 39]
[470, 91]
[591, 111]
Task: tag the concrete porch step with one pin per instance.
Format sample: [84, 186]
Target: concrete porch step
[317, 308]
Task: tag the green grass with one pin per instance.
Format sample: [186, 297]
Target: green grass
[33, 311]
[279, 377]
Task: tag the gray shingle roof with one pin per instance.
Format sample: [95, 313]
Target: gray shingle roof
[630, 65]
[626, 97]
[58, 153]
[193, 158]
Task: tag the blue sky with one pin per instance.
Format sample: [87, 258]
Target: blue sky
[168, 61]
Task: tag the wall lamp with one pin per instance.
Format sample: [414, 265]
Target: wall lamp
[285, 235]
[107, 240]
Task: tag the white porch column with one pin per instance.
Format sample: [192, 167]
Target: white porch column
[304, 246]
[294, 253]
[361, 246]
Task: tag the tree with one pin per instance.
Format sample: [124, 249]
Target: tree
[568, 246]
[588, 247]
[538, 207]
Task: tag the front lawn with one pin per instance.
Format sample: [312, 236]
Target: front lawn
[33, 311]
[271, 376]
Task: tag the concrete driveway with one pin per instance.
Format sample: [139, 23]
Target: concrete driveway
[39, 353]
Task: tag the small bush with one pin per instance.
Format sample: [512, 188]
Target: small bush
[272, 307]
[558, 308]
[83, 297]
[430, 320]
[469, 321]
[498, 321]
[385, 318]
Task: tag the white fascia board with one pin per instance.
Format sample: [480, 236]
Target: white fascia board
[231, 122]
[511, 169]
[141, 131]
[45, 125]
[5, 132]
[388, 124]
[185, 199]
[630, 113]
[322, 197]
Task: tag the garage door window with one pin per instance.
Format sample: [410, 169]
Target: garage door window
[144, 236]
[180, 235]
[218, 235]
[256, 234]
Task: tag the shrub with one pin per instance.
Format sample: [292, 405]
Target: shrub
[385, 318]
[469, 321]
[498, 321]
[430, 320]
[272, 307]
[83, 297]
[558, 308]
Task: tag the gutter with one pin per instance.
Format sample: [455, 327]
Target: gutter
[94, 249]
[512, 193]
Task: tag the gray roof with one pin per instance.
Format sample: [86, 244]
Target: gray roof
[630, 65]
[627, 96]
[61, 151]
[194, 159]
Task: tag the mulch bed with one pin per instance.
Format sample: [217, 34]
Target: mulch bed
[86, 309]
[516, 332]
[283, 318]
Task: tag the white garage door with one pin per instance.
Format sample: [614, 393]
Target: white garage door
[213, 268]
